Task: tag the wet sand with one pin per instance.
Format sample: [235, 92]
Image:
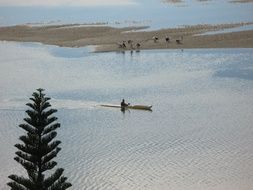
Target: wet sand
[107, 38]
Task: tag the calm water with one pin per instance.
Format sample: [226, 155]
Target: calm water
[154, 13]
[199, 135]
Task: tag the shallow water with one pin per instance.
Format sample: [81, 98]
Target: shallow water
[228, 30]
[198, 136]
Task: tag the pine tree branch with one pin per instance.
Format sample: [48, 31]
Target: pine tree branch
[48, 166]
[23, 181]
[36, 95]
[30, 139]
[26, 149]
[48, 137]
[33, 106]
[51, 128]
[32, 113]
[61, 184]
[40, 90]
[29, 128]
[53, 178]
[46, 99]
[45, 106]
[45, 149]
[33, 99]
[32, 121]
[50, 120]
[33, 175]
[53, 145]
[51, 155]
[30, 158]
[15, 186]
[66, 185]
[27, 165]
[48, 113]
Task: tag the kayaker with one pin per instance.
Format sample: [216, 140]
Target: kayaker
[123, 104]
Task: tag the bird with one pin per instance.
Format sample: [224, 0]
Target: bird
[155, 38]
[167, 39]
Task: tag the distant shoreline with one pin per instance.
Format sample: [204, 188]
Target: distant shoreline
[107, 38]
[203, 1]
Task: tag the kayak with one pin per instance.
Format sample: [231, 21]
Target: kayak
[136, 107]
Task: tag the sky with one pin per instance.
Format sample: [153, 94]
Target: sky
[65, 2]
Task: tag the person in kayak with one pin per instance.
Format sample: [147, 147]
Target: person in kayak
[123, 104]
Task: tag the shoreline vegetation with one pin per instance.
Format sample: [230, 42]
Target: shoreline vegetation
[106, 38]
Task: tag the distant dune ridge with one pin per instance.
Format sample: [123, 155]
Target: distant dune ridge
[65, 2]
[231, 1]
[241, 1]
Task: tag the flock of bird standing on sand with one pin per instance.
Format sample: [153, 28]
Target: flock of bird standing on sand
[137, 45]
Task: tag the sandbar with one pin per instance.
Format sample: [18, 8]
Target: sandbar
[106, 38]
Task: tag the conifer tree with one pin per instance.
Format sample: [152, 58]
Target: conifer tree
[38, 149]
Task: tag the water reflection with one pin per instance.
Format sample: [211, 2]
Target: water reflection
[67, 52]
[236, 73]
[64, 52]
[241, 67]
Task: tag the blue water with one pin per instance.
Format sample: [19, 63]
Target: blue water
[154, 13]
[198, 136]
[236, 29]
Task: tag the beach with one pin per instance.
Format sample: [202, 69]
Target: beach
[106, 38]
